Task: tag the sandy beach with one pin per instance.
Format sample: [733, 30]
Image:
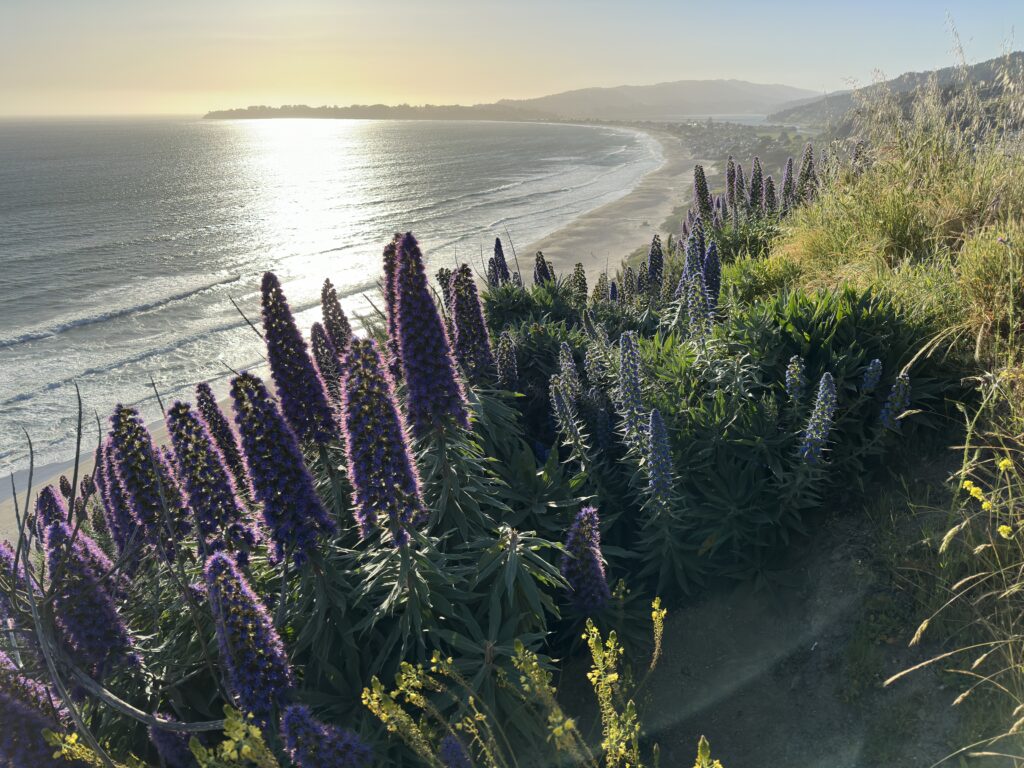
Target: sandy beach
[599, 239]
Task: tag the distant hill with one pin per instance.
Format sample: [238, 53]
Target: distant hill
[382, 112]
[665, 102]
[832, 108]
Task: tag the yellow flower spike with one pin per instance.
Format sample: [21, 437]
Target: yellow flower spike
[1006, 532]
[1005, 464]
[986, 506]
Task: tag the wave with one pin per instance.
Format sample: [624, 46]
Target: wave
[114, 314]
[297, 308]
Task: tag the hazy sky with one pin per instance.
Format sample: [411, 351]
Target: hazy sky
[189, 56]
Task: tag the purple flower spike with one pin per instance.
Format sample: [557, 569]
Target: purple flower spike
[542, 271]
[756, 186]
[452, 753]
[701, 195]
[220, 430]
[281, 483]
[391, 306]
[501, 273]
[740, 190]
[312, 744]
[50, 509]
[730, 182]
[505, 360]
[335, 323]
[149, 483]
[117, 509]
[65, 487]
[807, 180]
[383, 475]
[91, 628]
[28, 691]
[819, 424]
[472, 342]
[219, 515]
[299, 387]
[581, 564]
[327, 362]
[172, 746]
[21, 739]
[258, 675]
[655, 266]
[771, 200]
[435, 395]
[788, 187]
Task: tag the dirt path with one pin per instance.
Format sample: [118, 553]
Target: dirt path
[789, 675]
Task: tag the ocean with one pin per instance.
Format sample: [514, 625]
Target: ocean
[124, 242]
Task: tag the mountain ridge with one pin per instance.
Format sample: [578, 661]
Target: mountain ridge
[660, 101]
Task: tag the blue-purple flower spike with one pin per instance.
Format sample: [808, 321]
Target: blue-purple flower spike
[380, 466]
[172, 747]
[542, 271]
[629, 395]
[740, 190]
[659, 462]
[655, 266]
[756, 187]
[292, 510]
[796, 380]
[435, 395]
[220, 430]
[220, 516]
[820, 423]
[896, 403]
[472, 342]
[328, 363]
[505, 360]
[501, 273]
[582, 565]
[31, 692]
[258, 674]
[313, 744]
[150, 486]
[701, 195]
[807, 180]
[50, 509]
[21, 739]
[788, 188]
[124, 528]
[390, 262]
[452, 753]
[299, 386]
[335, 323]
[89, 624]
[771, 200]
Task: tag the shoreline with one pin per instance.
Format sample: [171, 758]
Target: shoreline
[599, 239]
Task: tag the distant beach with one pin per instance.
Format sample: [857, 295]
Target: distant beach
[602, 237]
[599, 239]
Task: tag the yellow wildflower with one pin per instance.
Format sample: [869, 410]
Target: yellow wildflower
[1006, 532]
